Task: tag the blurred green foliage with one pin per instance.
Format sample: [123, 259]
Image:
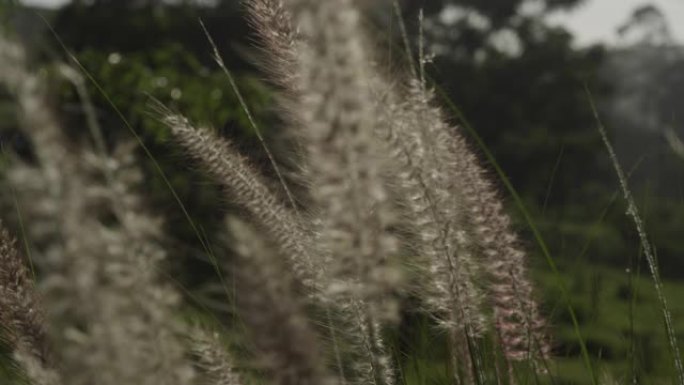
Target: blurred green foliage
[140, 51]
[173, 76]
[621, 323]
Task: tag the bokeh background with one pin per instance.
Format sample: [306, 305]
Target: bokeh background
[521, 73]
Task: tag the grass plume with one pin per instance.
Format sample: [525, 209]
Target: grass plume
[246, 187]
[108, 313]
[22, 316]
[286, 345]
[213, 358]
[389, 180]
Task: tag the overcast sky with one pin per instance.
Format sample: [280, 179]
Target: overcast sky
[595, 21]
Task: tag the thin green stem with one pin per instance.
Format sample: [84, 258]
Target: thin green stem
[219, 60]
[633, 212]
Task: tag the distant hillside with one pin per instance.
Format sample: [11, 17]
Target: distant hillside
[647, 104]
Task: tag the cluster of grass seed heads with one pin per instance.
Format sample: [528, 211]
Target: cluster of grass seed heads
[397, 205]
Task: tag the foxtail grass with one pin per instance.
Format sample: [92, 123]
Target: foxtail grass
[397, 205]
[21, 315]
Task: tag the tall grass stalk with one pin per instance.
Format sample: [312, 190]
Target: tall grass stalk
[219, 60]
[633, 212]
